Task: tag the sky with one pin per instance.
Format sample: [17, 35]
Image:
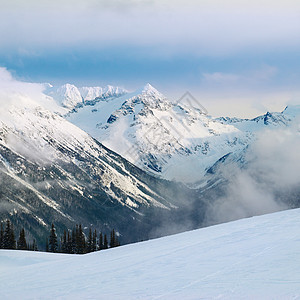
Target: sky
[238, 58]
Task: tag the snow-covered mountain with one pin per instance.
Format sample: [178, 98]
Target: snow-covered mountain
[253, 258]
[70, 96]
[176, 141]
[52, 171]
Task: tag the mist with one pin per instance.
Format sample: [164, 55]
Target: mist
[22, 94]
[267, 182]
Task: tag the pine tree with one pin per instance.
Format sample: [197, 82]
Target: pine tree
[81, 245]
[105, 244]
[114, 242]
[117, 243]
[69, 243]
[53, 240]
[73, 240]
[112, 238]
[100, 241]
[77, 239]
[12, 239]
[89, 246]
[64, 242]
[1, 236]
[9, 241]
[22, 244]
[94, 245]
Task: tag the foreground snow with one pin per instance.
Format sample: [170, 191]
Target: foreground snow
[255, 258]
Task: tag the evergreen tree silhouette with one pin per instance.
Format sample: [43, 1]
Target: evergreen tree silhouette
[64, 242]
[69, 243]
[89, 245]
[112, 239]
[94, 245]
[81, 246]
[9, 241]
[1, 235]
[100, 246]
[22, 244]
[105, 243]
[73, 240]
[53, 246]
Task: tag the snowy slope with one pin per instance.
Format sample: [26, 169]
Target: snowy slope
[254, 258]
[172, 140]
[40, 136]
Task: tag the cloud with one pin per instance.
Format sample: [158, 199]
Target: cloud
[166, 42]
[247, 78]
[219, 78]
[22, 94]
[269, 182]
[274, 158]
[246, 93]
[73, 5]
[207, 28]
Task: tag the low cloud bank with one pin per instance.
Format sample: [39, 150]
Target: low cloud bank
[268, 182]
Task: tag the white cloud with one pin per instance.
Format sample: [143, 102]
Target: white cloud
[270, 180]
[22, 94]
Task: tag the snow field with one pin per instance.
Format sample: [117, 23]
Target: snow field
[254, 258]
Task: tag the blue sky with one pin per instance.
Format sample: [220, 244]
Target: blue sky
[238, 57]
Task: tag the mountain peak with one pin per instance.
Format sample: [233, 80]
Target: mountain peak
[150, 90]
[70, 96]
[66, 95]
[68, 86]
[148, 86]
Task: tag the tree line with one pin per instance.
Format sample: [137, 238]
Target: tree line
[75, 241]
[72, 241]
[8, 240]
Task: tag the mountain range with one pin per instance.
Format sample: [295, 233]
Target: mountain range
[109, 158]
[172, 140]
